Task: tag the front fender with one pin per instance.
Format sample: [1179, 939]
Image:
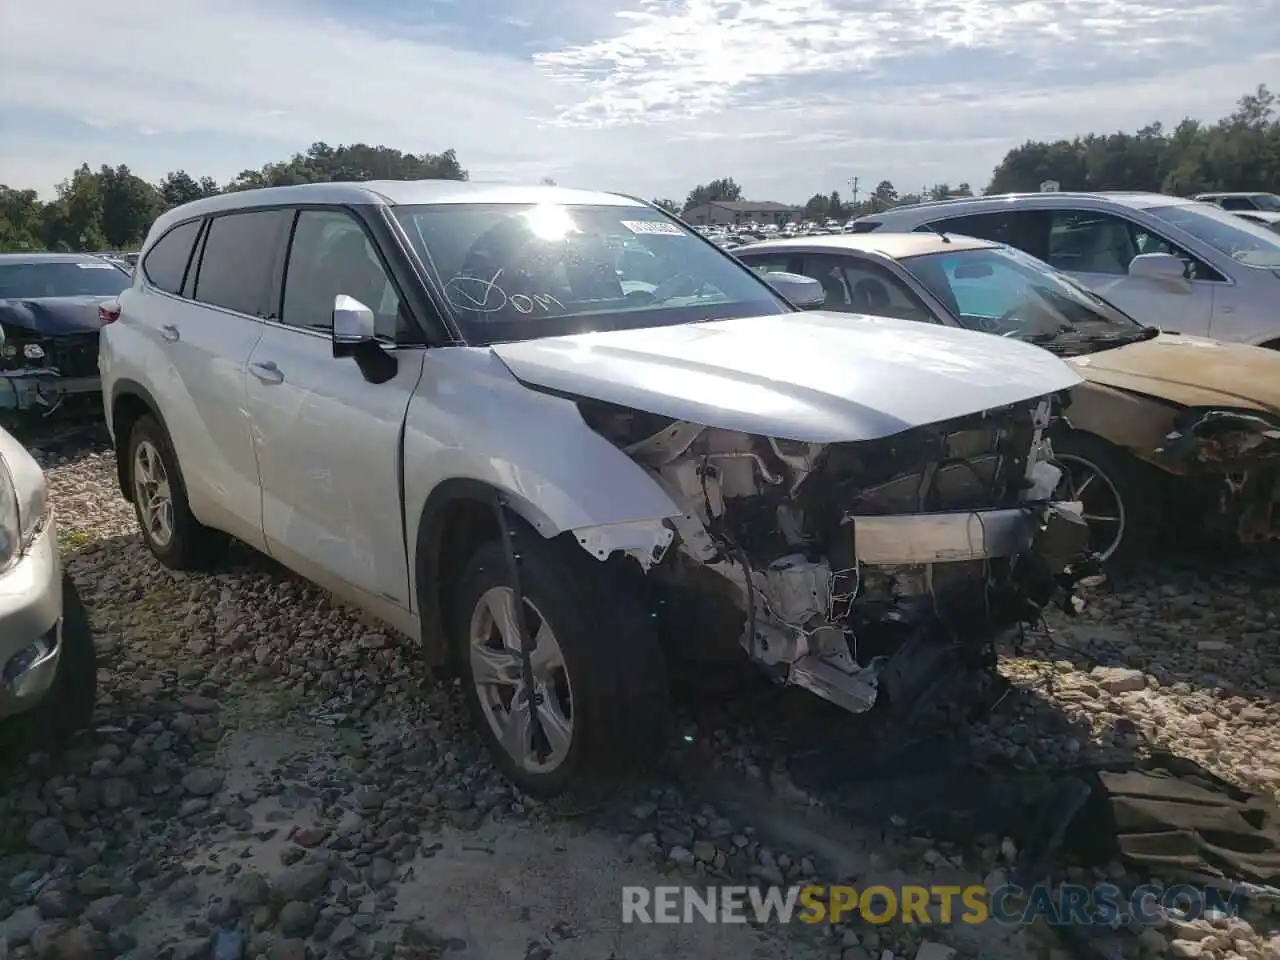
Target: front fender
[472, 432]
[471, 419]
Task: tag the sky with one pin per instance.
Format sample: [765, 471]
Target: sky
[650, 97]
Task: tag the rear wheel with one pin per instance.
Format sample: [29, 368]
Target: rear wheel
[599, 694]
[159, 495]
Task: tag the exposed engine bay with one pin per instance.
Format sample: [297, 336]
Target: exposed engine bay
[870, 571]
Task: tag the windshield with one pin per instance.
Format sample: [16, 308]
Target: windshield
[1267, 201]
[1247, 243]
[522, 271]
[68, 278]
[1005, 291]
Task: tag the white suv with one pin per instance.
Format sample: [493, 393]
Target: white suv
[541, 430]
[1184, 266]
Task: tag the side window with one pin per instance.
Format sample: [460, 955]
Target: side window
[331, 255]
[165, 265]
[237, 266]
[1089, 242]
[996, 227]
[774, 263]
[1235, 203]
[859, 286]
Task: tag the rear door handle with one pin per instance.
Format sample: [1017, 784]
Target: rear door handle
[267, 372]
[170, 332]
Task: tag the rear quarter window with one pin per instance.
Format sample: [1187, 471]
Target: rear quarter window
[165, 265]
[239, 260]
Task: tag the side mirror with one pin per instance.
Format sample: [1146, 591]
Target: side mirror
[354, 335]
[800, 291]
[353, 325]
[1161, 267]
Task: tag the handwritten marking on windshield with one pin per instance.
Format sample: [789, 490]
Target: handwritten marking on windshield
[476, 293]
[542, 301]
[479, 295]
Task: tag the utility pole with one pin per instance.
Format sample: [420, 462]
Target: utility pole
[853, 188]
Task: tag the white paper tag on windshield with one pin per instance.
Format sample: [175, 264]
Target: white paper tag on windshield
[652, 228]
[96, 266]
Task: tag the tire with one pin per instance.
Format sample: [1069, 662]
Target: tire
[189, 545]
[616, 676]
[68, 706]
[1137, 488]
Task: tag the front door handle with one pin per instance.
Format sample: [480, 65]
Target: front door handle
[170, 332]
[267, 372]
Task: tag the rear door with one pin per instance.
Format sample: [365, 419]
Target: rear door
[203, 335]
[327, 439]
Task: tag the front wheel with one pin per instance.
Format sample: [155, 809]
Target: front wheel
[599, 688]
[1120, 494]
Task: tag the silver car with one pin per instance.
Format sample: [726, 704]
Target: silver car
[1200, 269]
[48, 674]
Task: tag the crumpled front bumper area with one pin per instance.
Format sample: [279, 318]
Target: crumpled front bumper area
[1238, 455]
[1029, 556]
[41, 390]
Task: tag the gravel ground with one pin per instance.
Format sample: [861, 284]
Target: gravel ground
[271, 775]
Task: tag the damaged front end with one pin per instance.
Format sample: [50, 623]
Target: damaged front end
[37, 372]
[1233, 458]
[866, 572]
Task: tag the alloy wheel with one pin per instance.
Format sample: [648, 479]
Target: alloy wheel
[152, 494]
[497, 671]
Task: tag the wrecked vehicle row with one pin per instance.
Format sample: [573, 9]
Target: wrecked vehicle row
[1163, 430]
[597, 430]
[49, 324]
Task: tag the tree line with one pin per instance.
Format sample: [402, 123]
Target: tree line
[112, 208]
[1239, 152]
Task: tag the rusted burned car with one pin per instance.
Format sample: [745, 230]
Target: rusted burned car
[1163, 427]
[49, 326]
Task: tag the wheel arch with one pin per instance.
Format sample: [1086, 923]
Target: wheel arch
[130, 402]
[458, 517]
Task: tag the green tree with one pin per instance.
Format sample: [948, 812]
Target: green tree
[1239, 152]
[884, 194]
[21, 220]
[73, 221]
[129, 204]
[726, 189]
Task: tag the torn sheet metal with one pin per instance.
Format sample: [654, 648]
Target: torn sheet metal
[41, 390]
[1222, 437]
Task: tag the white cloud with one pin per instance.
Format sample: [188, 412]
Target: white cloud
[788, 96]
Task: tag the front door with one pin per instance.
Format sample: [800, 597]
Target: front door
[1097, 249]
[328, 440]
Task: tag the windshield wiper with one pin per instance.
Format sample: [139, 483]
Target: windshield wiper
[1137, 336]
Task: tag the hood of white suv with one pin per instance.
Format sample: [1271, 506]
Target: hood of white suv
[817, 377]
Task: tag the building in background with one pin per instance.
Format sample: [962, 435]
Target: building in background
[730, 212]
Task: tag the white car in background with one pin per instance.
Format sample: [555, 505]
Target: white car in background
[1264, 218]
[1189, 267]
[1241, 200]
